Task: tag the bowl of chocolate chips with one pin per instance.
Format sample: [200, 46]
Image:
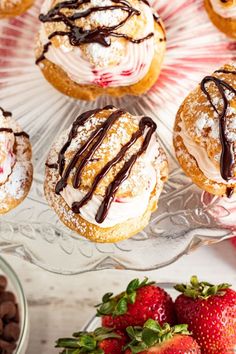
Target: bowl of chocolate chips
[14, 324]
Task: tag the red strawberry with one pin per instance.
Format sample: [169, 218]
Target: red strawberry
[140, 301]
[101, 341]
[114, 345]
[234, 241]
[152, 338]
[210, 312]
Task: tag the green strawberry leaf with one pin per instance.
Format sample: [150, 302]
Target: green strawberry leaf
[149, 337]
[135, 349]
[86, 342]
[181, 329]
[132, 286]
[107, 297]
[132, 297]
[118, 305]
[121, 307]
[153, 325]
[107, 308]
[201, 290]
[70, 351]
[66, 342]
[152, 334]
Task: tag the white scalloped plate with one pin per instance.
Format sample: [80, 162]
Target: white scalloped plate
[182, 223]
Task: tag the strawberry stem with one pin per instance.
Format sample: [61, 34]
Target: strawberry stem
[201, 290]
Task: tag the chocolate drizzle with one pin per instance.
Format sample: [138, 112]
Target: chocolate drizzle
[9, 130]
[54, 166]
[77, 35]
[86, 152]
[42, 56]
[5, 113]
[79, 122]
[22, 134]
[225, 71]
[229, 192]
[6, 130]
[227, 155]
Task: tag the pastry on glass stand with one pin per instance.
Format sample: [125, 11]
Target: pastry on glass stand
[90, 48]
[16, 170]
[205, 133]
[104, 175]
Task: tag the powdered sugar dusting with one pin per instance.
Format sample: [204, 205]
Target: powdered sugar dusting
[105, 18]
[204, 122]
[102, 57]
[144, 177]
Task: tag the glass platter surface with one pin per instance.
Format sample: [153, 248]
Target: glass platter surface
[183, 222]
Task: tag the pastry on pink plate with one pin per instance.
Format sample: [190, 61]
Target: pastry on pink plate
[223, 15]
[16, 170]
[89, 48]
[12, 8]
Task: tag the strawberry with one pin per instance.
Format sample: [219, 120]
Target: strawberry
[234, 241]
[210, 312]
[101, 341]
[140, 301]
[152, 338]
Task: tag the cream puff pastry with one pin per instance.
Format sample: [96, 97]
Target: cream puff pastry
[223, 15]
[87, 48]
[12, 8]
[16, 170]
[205, 133]
[105, 174]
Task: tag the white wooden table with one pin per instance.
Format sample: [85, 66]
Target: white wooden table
[60, 305]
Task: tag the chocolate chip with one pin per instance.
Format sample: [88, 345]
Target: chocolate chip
[7, 310]
[7, 296]
[17, 316]
[7, 347]
[9, 319]
[1, 326]
[11, 332]
[3, 282]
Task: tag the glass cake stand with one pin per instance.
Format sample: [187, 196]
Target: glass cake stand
[182, 222]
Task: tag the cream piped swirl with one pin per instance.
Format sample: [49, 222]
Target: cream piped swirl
[223, 10]
[208, 168]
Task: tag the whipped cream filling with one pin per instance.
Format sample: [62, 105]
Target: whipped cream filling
[224, 11]
[199, 153]
[121, 209]
[132, 67]
[7, 156]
